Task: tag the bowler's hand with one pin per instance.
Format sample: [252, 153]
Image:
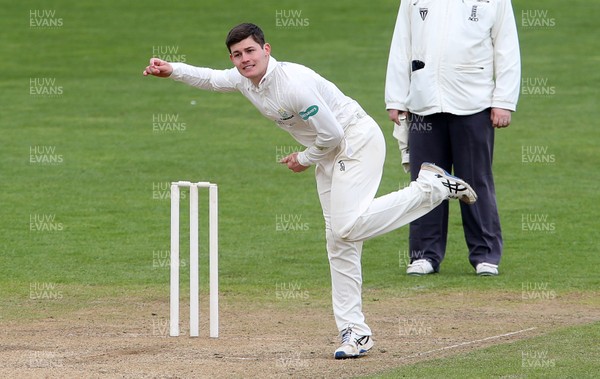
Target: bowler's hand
[159, 68]
[395, 115]
[500, 117]
[292, 162]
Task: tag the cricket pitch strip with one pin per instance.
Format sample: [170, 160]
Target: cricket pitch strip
[129, 338]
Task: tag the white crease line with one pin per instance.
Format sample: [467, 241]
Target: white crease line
[469, 343]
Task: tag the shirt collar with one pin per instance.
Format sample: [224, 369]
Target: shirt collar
[265, 79]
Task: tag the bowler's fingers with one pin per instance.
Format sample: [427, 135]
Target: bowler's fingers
[291, 161]
[158, 67]
[150, 70]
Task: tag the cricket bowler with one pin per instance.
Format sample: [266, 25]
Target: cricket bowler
[346, 148]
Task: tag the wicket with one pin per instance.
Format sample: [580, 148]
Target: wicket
[213, 259]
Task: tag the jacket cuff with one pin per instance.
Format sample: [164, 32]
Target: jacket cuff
[504, 105]
[396, 105]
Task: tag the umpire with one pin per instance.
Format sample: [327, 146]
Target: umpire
[454, 69]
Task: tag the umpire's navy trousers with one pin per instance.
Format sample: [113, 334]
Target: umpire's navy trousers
[463, 145]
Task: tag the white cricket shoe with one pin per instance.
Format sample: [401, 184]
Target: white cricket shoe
[419, 267]
[487, 269]
[353, 345]
[457, 188]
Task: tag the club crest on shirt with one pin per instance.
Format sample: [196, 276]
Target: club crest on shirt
[284, 115]
[423, 12]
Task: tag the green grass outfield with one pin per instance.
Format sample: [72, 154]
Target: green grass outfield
[84, 165]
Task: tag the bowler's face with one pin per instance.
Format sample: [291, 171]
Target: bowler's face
[250, 59]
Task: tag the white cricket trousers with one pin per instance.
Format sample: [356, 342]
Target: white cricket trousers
[347, 183]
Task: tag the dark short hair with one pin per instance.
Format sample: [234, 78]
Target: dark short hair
[243, 31]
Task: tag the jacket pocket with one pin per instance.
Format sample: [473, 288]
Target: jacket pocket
[466, 69]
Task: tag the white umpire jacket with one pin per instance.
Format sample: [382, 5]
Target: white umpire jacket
[454, 56]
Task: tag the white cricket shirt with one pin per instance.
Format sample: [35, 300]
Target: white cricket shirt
[312, 109]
